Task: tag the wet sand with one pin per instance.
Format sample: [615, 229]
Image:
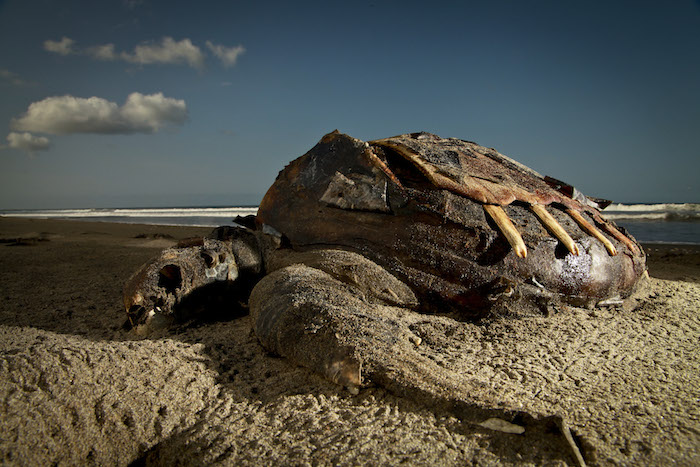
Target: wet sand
[76, 388]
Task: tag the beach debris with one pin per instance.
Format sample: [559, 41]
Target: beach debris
[498, 424]
[575, 451]
[154, 236]
[354, 240]
[613, 301]
[27, 239]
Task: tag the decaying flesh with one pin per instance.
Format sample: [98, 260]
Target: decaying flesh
[354, 239]
[198, 277]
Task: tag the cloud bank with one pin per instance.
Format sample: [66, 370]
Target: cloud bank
[167, 51]
[27, 142]
[67, 114]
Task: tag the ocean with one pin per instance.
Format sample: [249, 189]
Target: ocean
[650, 223]
[200, 216]
[658, 223]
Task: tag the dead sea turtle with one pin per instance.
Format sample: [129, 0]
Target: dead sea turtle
[354, 239]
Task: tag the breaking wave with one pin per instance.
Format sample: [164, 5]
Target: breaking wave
[206, 217]
[681, 212]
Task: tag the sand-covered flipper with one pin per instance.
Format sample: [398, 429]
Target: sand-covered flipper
[317, 307]
[346, 318]
[352, 322]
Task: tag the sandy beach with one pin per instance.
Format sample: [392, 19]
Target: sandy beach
[76, 388]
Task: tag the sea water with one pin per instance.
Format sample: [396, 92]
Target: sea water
[191, 216]
[658, 223]
[650, 223]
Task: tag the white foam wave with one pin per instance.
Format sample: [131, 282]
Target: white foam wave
[136, 213]
[653, 216]
[666, 207]
[682, 212]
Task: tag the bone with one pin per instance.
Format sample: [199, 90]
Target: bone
[506, 227]
[591, 230]
[554, 228]
[469, 187]
[483, 189]
[356, 192]
[610, 229]
[346, 372]
[619, 236]
[498, 424]
[153, 292]
[377, 162]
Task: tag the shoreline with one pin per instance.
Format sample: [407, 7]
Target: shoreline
[663, 232]
[77, 388]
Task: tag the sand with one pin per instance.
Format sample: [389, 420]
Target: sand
[76, 388]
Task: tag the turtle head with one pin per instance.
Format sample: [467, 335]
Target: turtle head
[204, 278]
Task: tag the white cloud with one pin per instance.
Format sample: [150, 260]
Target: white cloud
[7, 76]
[227, 55]
[62, 47]
[68, 114]
[102, 52]
[28, 142]
[168, 51]
[153, 111]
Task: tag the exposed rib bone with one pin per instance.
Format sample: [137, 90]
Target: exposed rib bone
[554, 228]
[505, 225]
[591, 230]
[469, 188]
[618, 235]
[482, 187]
[377, 162]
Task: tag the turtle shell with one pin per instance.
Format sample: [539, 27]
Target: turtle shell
[467, 228]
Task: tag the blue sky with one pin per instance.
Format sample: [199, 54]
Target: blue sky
[168, 103]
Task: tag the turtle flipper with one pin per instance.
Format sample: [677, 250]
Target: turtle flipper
[298, 313]
[329, 322]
